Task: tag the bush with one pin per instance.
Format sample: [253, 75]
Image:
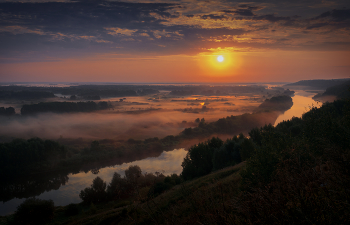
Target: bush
[71, 210]
[95, 193]
[34, 211]
[159, 188]
[167, 183]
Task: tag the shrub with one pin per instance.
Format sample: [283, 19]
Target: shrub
[34, 211]
[159, 188]
[71, 210]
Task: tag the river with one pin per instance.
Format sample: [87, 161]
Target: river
[167, 163]
[302, 102]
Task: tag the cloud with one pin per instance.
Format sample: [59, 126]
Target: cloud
[336, 15]
[120, 31]
[163, 27]
[334, 19]
[213, 17]
[272, 18]
[244, 10]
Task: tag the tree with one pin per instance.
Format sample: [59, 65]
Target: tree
[198, 160]
[96, 193]
[133, 173]
[118, 187]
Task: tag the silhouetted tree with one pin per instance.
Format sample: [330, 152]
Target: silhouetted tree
[96, 193]
[198, 160]
[133, 173]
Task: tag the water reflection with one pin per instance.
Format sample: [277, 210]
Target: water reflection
[167, 163]
[302, 103]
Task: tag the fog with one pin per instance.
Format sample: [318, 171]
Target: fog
[136, 117]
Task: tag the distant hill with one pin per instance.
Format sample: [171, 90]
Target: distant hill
[316, 84]
[339, 91]
[277, 103]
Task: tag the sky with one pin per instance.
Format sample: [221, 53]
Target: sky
[174, 40]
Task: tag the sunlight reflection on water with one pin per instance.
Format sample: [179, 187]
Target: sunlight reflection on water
[302, 103]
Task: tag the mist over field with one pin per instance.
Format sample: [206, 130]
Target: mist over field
[129, 117]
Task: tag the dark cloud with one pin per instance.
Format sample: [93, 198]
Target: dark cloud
[244, 10]
[253, 8]
[213, 17]
[337, 15]
[336, 18]
[241, 12]
[75, 16]
[272, 18]
[78, 26]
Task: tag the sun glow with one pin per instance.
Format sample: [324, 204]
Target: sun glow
[219, 63]
[220, 58]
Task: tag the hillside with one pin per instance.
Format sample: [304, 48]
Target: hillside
[339, 91]
[316, 84]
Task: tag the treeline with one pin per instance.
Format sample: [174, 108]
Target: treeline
[215, 154]
[267, 113]
[34, 183]
[7, 111]
[25, 94]
[26, 156]
[230, 124]
[125, 187]
[21, 158]
[219, 90]
[317, 84]
[118, 90]
[278, 103]
[341, 91]
[63, 107]
[37, 211]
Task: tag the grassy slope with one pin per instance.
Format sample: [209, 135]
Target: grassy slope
[180, 205]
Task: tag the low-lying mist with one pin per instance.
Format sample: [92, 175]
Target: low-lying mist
[122, 123]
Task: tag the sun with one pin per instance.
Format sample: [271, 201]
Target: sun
[220, 58]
